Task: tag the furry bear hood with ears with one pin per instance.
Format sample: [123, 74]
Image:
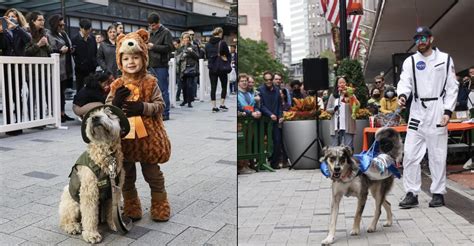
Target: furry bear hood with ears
[132, 43]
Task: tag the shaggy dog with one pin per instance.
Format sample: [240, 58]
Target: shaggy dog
[347, 180]
[102, 128]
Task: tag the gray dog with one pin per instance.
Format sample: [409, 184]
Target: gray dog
[347, 180]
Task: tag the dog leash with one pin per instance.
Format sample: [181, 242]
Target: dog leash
[122, 223]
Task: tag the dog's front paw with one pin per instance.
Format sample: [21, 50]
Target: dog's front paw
[387, 224]
[371, 229]
[355, 231]
[91, 236]
[328, 240]
[73, 228]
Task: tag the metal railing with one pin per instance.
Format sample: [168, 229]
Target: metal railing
[254, 140]
[30, 92]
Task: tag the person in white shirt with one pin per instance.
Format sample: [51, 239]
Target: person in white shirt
[430, 76]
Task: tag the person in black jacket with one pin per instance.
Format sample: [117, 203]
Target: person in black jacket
[93, 94]
[270, 106]
[12, 43]
[188, 59]
[160, 46]
[217, 44]
[85, 53]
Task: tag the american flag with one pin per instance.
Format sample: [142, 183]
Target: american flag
[331, 12]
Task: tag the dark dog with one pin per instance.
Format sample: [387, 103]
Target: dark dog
[344, 172]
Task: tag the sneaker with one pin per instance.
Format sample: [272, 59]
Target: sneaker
[277, 166]
[223, 108]
[166, 117]
[190, 105]
[437, 201]
[215, 110]
[182, 104]
[177, 99]
[410, 201]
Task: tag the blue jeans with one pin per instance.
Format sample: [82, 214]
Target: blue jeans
[161, 73]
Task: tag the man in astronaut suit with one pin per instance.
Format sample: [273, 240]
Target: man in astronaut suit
[429, 76]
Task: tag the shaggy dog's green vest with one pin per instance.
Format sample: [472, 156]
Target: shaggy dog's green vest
[103, 181]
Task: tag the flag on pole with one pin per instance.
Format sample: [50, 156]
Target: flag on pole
[355, 35]
[331, 13]
[331, 10]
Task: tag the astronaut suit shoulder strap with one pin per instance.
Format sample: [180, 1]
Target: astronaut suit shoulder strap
[414, 76]
[445, 81]
[443, 92]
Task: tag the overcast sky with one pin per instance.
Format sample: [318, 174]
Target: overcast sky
[283, 15]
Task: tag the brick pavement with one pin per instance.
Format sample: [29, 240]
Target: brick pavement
[292, 208]
[200, 180]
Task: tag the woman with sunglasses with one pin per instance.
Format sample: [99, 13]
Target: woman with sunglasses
[61, 43]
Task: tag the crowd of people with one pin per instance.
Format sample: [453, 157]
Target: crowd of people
[91, 60]
[275, 96]
[429, 110]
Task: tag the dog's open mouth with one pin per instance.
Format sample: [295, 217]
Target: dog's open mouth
[336, 175]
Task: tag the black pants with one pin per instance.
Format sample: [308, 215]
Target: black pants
[63, 85]
[80, 80]
[187, 86]
[223, 78]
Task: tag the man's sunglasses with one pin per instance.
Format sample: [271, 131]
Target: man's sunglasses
[422, 39]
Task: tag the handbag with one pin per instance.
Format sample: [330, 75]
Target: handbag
[222, 64]
[190, 71]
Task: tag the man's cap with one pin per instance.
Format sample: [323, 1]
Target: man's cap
[124, 124]
[422, 31]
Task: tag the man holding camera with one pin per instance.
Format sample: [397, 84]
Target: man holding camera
[430, 110]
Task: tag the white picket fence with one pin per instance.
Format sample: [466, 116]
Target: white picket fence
[204, 82]
[24, 111]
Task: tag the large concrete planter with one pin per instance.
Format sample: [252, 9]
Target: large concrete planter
[358, 138]
[297, 136]
[326, 132]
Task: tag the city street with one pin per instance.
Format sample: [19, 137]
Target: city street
[200, 180]
[292, 207]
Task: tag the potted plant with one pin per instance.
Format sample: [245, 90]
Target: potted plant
[299, 131]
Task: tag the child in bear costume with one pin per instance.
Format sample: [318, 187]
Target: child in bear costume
[138, 95]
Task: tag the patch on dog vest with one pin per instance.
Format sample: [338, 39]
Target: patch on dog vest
[103, 182]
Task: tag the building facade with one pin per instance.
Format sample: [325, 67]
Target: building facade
[256, 21]
[176, 15]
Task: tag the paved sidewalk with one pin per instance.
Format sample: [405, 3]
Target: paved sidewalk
[200, 180]
[292, 208]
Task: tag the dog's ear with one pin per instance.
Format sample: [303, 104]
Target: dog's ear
[347, 151]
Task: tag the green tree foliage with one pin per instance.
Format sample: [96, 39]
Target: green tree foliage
[353, 72]
[254, 59]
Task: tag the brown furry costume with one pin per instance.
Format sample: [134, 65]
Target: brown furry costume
[151, 149]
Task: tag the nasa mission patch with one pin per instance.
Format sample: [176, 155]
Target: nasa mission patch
[421, 65]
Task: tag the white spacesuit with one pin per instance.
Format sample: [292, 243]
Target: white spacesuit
[432, 82]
